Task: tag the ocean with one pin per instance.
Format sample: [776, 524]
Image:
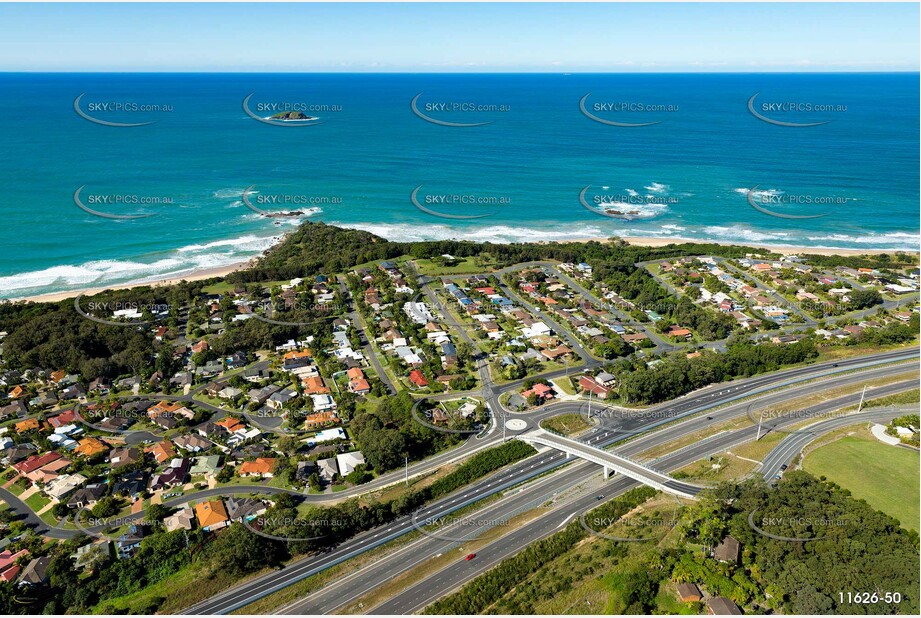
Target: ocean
[721, 157]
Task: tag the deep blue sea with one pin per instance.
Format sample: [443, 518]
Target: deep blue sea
[688, 175]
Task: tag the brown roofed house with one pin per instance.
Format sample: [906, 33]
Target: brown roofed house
[728, 550]
[162, 451]
[689, 593]
[721, 606]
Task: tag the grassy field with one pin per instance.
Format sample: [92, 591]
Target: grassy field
[566, 424]
[885, 476]
[466, 266]
[566, 384]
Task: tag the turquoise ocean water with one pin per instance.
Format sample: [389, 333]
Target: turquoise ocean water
[688, 175]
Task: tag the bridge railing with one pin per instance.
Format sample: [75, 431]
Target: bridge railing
[615, 454]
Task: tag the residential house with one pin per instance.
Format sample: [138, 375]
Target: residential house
[590, 385]
[183, 519]
[689, 593]
[91, 447]
[315, 386]
[211, 515]
[320, 419]
[36, 572]
[162, 451]
[30, 424]
[131, 484]
[278, 399]
[729, 550]
[327, 468]
[416, 377]
[261, 467]
[174, 475]
[295, 360]
[86, 497]
[192, 443]
[9, 570]
[124, 456]
[721, 606]
[246, 508]
[63, 485]
[542, 391]
[128, 543]
[347, 462]
[261, 395]
[206, 465]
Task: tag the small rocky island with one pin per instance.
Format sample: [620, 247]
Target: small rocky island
[292, 116]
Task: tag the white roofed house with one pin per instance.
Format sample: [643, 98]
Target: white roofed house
[349, 461]
[63, 485]
[229, 392]
[327, 468]
[418, 312]
[323, 403]
[328, 435]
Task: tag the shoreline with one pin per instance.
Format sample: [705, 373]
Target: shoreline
[195, 275]
[642, 241]
[647, 241]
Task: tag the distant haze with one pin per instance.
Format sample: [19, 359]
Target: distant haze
[652, 37]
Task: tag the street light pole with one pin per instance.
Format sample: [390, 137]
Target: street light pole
[406, 469]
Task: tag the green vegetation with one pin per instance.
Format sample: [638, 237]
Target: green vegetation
[566, 424]
[885, 476]
[480, 465]
[898, 399]
[678, 375]
[387, 433]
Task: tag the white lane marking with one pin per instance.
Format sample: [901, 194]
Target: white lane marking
[566, 521]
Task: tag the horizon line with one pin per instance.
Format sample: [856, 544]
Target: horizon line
[457, 72]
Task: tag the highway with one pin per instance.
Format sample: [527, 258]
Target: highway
[791, 446]
[436, 585]
[359, 583]
[241, 595]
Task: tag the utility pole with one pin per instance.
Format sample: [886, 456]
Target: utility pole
[860, 405]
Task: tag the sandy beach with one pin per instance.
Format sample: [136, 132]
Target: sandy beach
[208, 273]
[633, 240]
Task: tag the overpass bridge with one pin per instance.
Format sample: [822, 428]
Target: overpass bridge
[612, 462]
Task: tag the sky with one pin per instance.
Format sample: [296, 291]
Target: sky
[616, 37]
